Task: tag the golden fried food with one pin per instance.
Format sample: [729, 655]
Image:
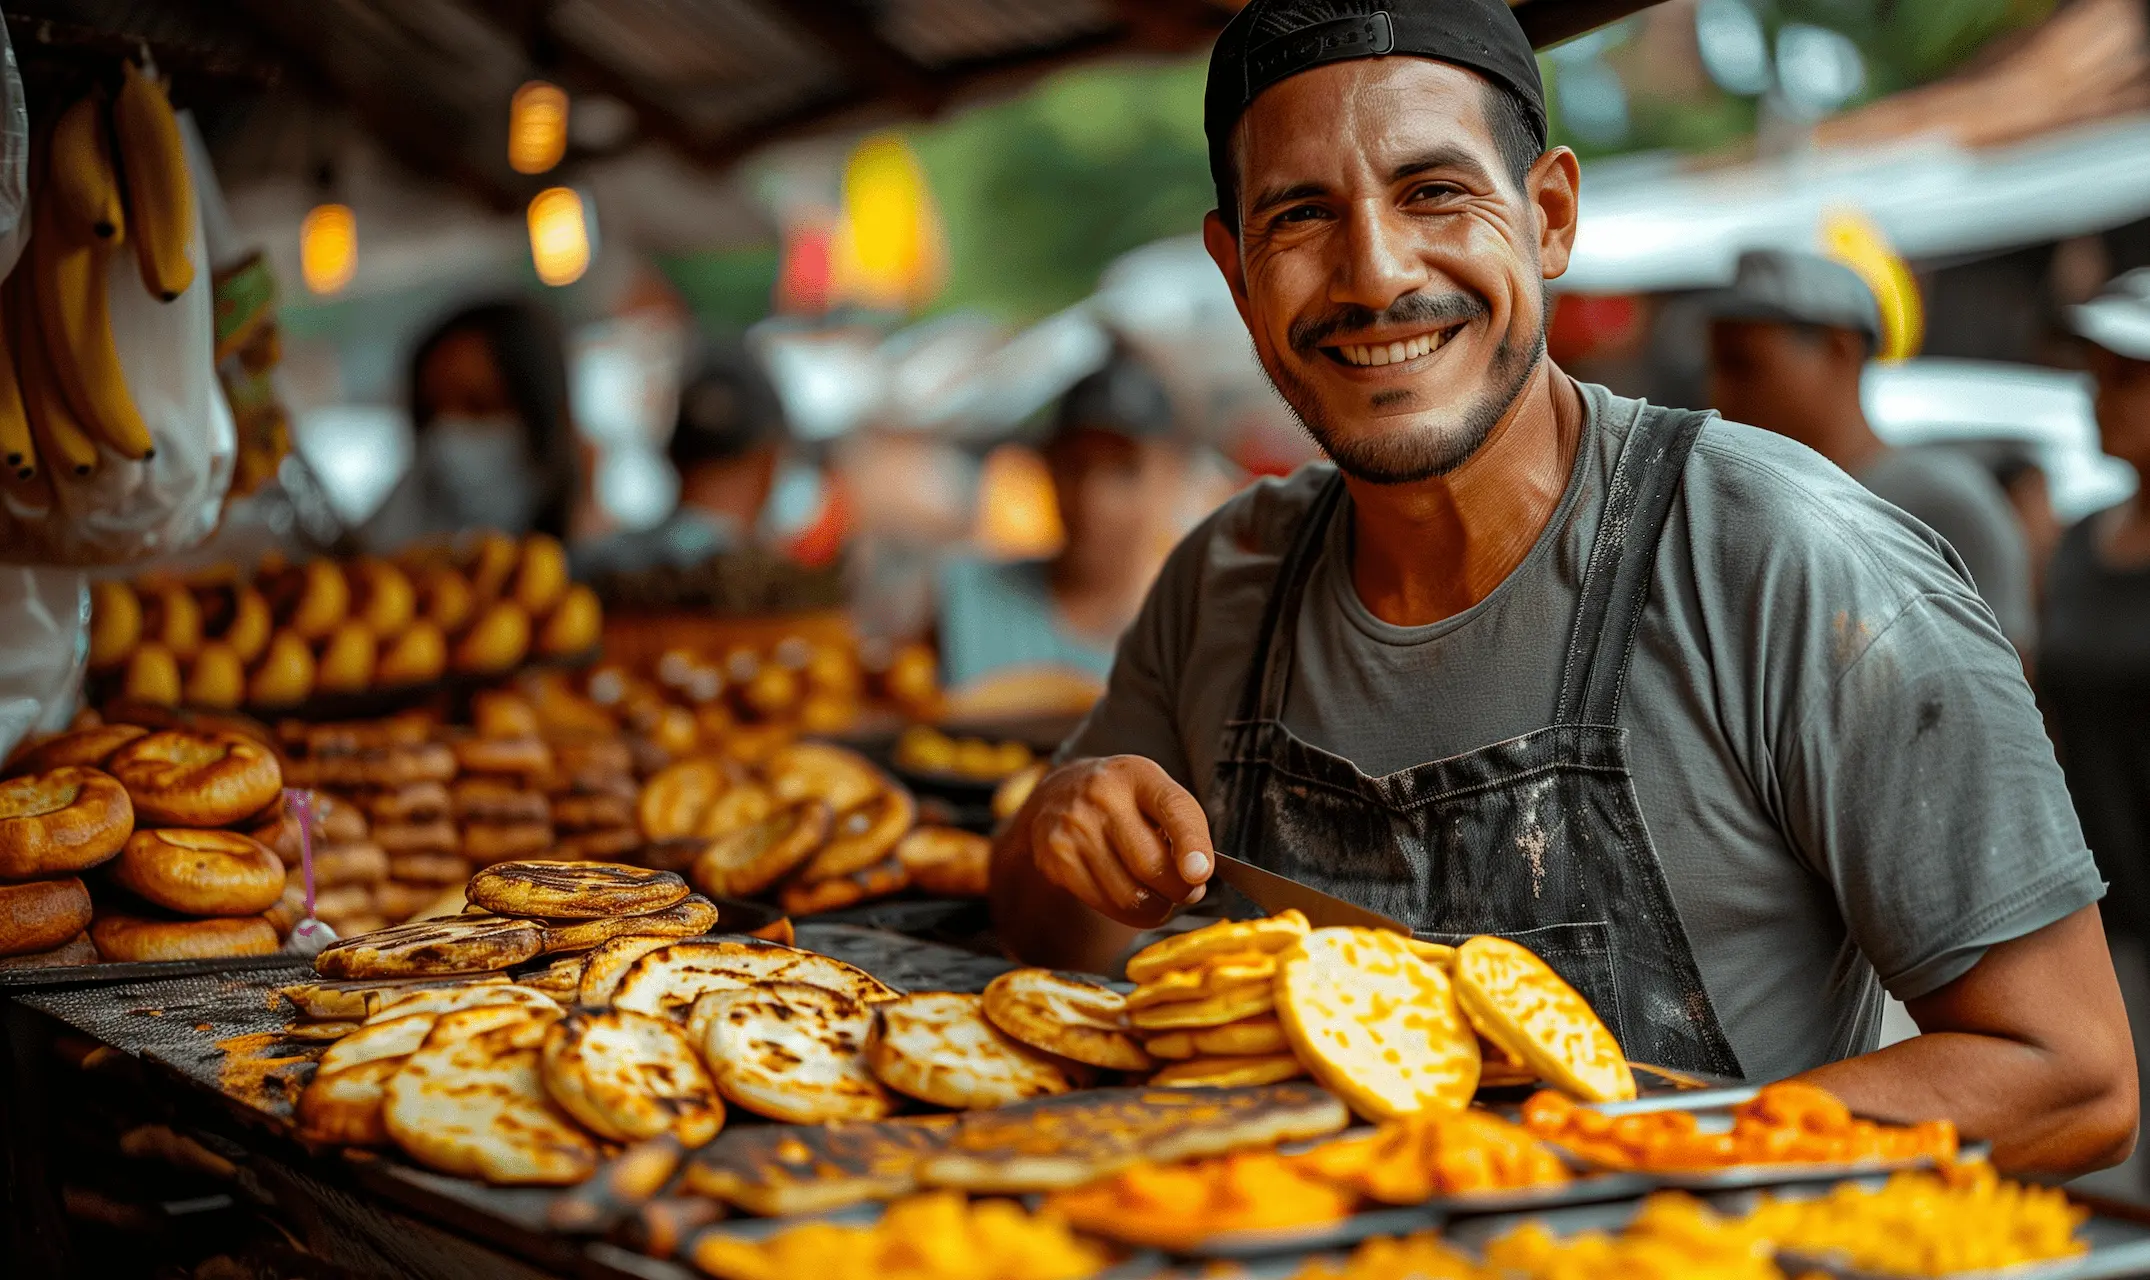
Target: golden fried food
[791, 1052]
[419, 655]
[811, 897]
[757, 855]
[472, 1102]
[937, 1046]
[121, 935]
[1180, 1205]
[1672, 1237]
[152, 675]
[196, 779]
[1957, 1218]
[1415, 1158]
[863, 835]
[1785, 1123]
[628, 1076]
[200, 873]
[1228, 1071]
[1067, 1015]
[574, 890]
[1516, 1001]
[216, 679]
[1189, 950]
[937, 1236]
[59, 821]
[89, 747]
[1377, 1024]
[42, 914]
[947, 861]
[460, 944]
[1423, 1256]
[1261, 1033]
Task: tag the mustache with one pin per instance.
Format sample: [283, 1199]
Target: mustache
[1431, 310]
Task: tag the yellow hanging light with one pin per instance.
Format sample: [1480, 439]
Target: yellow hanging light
[888, 251]
[1018, 512]
[537, 127]
[328, 248]
[559, 236]
[1851, 238]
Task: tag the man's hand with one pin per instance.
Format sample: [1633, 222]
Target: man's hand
[1121, 837]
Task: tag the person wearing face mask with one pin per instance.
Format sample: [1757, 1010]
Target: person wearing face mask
[489, 410]
[1116, 465]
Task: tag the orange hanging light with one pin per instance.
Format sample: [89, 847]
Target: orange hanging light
[328, 248]
[537, 127]
[559, 235]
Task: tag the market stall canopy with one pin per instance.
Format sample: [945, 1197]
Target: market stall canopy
[2041, 141]
[711, 78]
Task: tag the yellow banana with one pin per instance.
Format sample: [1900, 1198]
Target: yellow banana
[160, 191]
[66, 448]
[68, 283]
[16, 451]
[78, 165]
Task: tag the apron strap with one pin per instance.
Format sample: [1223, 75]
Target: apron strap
[1276, 642]
[1623, 556]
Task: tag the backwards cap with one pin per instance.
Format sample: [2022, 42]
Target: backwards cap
[1270, 40]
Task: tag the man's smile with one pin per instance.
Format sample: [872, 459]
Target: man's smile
[1402, 349]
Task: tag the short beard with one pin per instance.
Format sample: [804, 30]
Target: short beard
[1410, 456]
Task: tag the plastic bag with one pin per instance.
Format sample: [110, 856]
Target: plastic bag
[14, 159]
[129, 511]
[44, 642]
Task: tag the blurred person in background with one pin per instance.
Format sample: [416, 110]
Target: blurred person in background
[2030, 493]
[489, 412]
[1117, 464]
[2094, 663]
[741, 481]
[1788, 343]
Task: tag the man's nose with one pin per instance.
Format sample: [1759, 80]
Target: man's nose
[1379, 263]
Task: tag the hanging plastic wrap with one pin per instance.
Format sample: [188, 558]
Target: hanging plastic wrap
[14, 159]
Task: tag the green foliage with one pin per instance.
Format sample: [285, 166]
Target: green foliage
[728, 290]
[1041, 192]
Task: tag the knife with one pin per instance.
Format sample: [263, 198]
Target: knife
[1273, 893]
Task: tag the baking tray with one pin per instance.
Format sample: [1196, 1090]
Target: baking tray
[94, 975]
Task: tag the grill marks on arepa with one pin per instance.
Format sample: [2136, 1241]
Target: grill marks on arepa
[1067, 1015]
[457, 944]
[472, 1102]
[629, 1076]
[790, 1051]
[667, 982]
[937, 1046]
[574, 890]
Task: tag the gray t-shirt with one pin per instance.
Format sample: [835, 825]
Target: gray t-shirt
[1949, 493]
[1835, 752]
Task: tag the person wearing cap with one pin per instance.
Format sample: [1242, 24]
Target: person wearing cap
[1788, 343]
[1115, 460]
[2094, 664]
[1726, 739]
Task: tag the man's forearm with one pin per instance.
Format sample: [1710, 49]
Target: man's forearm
[1038, 922]
[2043, 1115]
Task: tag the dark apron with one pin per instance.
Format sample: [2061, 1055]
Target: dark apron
[1539, 838]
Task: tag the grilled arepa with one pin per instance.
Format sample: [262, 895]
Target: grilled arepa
[574, 890]
[472, 1102]
[440, 1000]
[1189, 950]
[777, 1171]
[629, 1076]
[1376, 1023]
[750, 858]
[1516, 1001]
[1225, 1072]
[792, 1052]
[668, 981]
[458, 944]
[1066, 1141]
[603, 968]
[864, 835]
[398, 1037]
[688, 918]
[937, 1046]
[344, 1106]
[1066, 1015]
[361, 999]
[818, 771]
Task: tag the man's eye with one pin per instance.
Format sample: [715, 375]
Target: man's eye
[1434, 191]
[1300, 213]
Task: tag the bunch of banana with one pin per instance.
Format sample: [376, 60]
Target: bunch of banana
[276, 637]
[63, 393]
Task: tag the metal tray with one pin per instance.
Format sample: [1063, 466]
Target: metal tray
[63, 977]
[900, 961]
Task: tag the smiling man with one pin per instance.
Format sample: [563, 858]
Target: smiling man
[1673, 702]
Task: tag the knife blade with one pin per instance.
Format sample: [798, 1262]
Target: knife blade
[1273, 893]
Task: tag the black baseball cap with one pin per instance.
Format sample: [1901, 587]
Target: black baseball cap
[727, 406]
[1124, 399]
[1271, 40]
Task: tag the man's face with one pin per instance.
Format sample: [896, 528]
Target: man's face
[1390, 273]
[2123, 406]
[1772, 376]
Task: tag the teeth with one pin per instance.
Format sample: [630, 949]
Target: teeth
[1392, 353]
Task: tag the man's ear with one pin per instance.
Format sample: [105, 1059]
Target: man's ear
[1555, 188]
[1223, 249]
[1849, 347]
